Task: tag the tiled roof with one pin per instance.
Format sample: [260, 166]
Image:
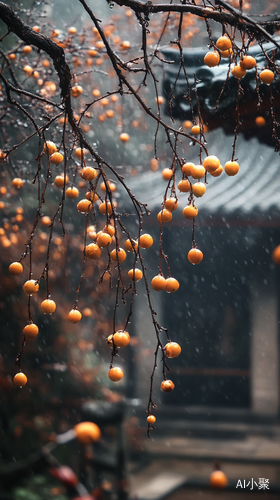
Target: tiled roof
[210, 82]
[255, 189]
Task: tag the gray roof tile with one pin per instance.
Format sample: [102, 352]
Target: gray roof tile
[256, 187]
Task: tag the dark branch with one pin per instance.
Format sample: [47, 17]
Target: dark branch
[234, 18]
[42, 42]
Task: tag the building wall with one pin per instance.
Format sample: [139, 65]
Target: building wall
[225, 316]
[265, 351]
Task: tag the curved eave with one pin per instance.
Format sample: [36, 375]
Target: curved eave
[255, 189]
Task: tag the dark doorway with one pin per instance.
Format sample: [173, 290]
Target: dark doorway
[210, 318]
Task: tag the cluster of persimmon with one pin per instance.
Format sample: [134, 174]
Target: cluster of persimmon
[119, 339]
[104, 239]
[211, 165]
[101, 239]
[31, 330]
[92, 52]
[171, 350]
[223, 49]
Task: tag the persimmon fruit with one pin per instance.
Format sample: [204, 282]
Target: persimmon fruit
[211, 163]
[88, 173]
[154, 164]
[46, 220]
[20, 379]
[171, 204]
[72, 192]
[195, 256]
[218, 479]
[48, 306]
[59, 180]
[167, 385]
[115, 374]
[30, 287]
[103, 240]
[17, 182]
[93, 251]
[49, 147]
[135, 274]
[106, 207]
[74, 316]
[160, 99]
[248, 62]
[109, 229]
[131, 245]
[93, 197]
[212, 59]
[164, 216]
[187, 168]
[87, 432]
[81, 152]
[158, 283]
[125, 44]
[231, 168]
[238, 72]
[187, 124]
[267, 76]
[124, 137]
[16, 268]
[96, 93]
[195, 130]
[84, 206]
[121, 338]
[145, 241]
[28, 69]
[190, 212]
[172, 349]
[111, 186]
[260, 121]
[77, 90]
[31, 331]
[198, 172]
[224, 43]
[121, 255]
[226, 53]
[217, 172]
[276, 255]
[87, 312]
[184, 186]
[171, 285]
[199, 189]
[167, 174]
[56, 158]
